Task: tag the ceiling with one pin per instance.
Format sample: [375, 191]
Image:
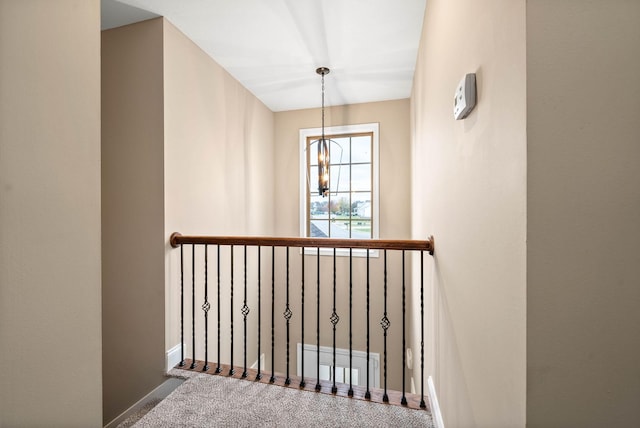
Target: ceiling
[273, 47]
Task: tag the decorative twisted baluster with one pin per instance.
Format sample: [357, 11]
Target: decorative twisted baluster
[245, 313]
[287, 316]
[385, 323]
[334, 320]
[205, 307]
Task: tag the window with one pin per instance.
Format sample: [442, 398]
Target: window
[350, 207]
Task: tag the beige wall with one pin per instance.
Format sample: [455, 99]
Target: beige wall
[469, 189]
[132, 214]
[393, 117]
[50, 337]
[583, 346]
[186, 148]
[218, 173]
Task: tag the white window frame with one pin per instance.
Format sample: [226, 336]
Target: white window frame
[375, 190]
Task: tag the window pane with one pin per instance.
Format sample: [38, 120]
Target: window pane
[339, 150]
[338, 178]
[361, 205]
[312, 179]
[361, 149]
[340, 227]
[313, 151]
[340, 206]
[319, 207]
[319, 229]
[361, 229]
[361, 177]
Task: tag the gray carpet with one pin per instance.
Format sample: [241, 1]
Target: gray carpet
[217, 401]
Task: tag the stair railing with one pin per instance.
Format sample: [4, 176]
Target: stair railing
[179, 241]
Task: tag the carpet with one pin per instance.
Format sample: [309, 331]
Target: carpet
[217, 401]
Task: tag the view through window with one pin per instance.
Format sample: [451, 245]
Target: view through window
[349, 209]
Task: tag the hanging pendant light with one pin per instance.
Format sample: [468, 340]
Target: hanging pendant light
[323, 147]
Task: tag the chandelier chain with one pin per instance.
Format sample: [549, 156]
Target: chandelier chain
[322, 108]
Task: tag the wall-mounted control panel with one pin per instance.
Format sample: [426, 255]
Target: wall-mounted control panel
[465, 97]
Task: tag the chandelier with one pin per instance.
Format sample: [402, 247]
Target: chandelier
[323, 146]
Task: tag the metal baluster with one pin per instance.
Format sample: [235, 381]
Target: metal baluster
[181, 306]
[334, 321]
[302, 382]
[231, 369]
[259, 375]
[218, 369]
[350, 393]
[193, 305]
[245, 313]
[205, 307]
[423, 405]
[273, 321]
[287, 316]
[385, 326]
[318, 387]
[367, 394]
[404, 343]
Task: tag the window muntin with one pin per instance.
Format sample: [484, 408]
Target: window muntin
[350, 210]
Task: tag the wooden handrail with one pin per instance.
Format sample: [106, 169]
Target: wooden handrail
[372, 244]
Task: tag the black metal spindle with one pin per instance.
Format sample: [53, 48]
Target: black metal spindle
[245, 313]
[367, 394]
[423, 405]
[334, 321]
[302, 382]
[287, 316]
[259, 374]
[318, 387]
[273, 310]
[350, 393]
[218, 368]
[404, 343]
[385, 326]
[231, 369]
[181, 306]
[193, 306]
[205, 307]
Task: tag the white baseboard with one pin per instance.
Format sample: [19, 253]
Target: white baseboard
[159, 393]
[173, 357]
[435, 406]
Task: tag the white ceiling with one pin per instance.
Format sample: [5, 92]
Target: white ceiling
[273, 47]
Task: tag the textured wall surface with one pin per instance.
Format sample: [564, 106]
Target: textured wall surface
[469, 191]
[132, 214]
[50, 214]
[583, 101]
